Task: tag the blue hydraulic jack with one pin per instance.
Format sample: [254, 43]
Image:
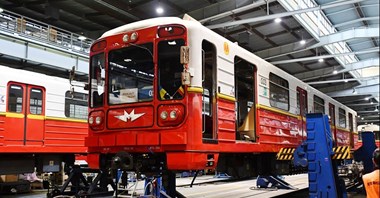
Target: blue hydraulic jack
[364, 153]
[153, 188]
[316, 153]
[273, 182]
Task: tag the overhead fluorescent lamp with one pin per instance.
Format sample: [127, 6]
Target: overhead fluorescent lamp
[82, 38]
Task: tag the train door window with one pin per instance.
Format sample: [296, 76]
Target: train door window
[245, 99]
[342, 118]
[279, 92]
[170, 69]
[332, 114]
[209, 90]
[319, 105]
[15, 98]
[76, 105]
[302, 109]
[35, 103]
[97, 78]
[301, 98]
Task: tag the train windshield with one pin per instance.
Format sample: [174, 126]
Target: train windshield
[131, 74]
[170, 69]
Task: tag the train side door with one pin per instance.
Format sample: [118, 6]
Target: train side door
[245, 99]
[24, 122]
[209, 104]
[302, 106]
[351, 126]
[332, 120]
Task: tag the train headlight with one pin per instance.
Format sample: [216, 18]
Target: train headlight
[98, 120]
[126, 38]
[91, 120]
[134, 36]
[173, 115]
[164, 115]
[95, 120]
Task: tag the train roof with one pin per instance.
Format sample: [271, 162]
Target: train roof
[147, 23]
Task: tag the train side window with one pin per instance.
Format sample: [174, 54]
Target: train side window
[279, 92]
[342, 118]
[15, 98]
[76, 105]
[245, 99]
[319, 105]
[35, 103]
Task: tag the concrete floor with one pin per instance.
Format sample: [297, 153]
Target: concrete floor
[202, 188]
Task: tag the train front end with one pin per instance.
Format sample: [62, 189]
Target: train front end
[138, 108]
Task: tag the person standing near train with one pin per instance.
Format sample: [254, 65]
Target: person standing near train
[372, 180]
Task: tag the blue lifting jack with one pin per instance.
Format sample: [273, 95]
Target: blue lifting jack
[316, 153]
[273, 182]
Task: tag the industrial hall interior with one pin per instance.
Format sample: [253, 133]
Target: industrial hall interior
[189, 98]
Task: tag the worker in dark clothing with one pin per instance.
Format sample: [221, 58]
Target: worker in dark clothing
[372, 180]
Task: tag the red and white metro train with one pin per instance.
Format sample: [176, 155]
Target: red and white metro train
[42, 123]
[169, 94]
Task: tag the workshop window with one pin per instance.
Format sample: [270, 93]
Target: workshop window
[342, 118]
[279, 92]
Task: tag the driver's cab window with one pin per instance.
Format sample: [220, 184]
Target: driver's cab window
[170, 69]
[97, 74]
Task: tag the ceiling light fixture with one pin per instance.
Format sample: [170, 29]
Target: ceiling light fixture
[277, 20]
[302, 42]
[367, 98]
[335, 72]
[320, 60]
[82, 38]
[1, 10]
[159, 10]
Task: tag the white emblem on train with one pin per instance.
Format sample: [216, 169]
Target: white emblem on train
[131, 116]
